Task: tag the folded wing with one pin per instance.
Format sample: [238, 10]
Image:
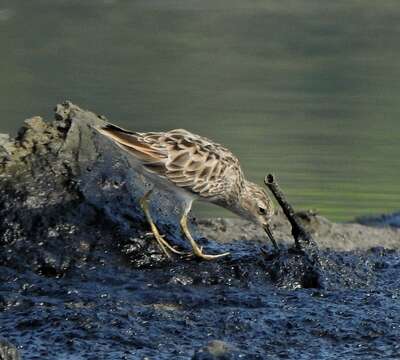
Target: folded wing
[189, 161]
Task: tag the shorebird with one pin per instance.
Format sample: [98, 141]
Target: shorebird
[192, 167]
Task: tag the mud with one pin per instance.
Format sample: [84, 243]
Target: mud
[81, 279]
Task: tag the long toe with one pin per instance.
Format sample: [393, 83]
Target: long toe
[203, 256]
[197, 251]
[172, 249]
[163, 248]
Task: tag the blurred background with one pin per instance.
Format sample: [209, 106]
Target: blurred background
[309, 90]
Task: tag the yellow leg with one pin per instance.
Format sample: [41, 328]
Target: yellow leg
[196, 249]
[164, 245]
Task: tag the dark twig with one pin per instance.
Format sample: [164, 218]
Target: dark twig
[300, 234]
[304, 243]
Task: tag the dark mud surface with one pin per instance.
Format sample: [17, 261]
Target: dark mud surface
[80, 279]
[110, 312]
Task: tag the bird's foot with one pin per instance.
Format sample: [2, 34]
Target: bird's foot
[197, 250]
[203, 256]
[164, 245]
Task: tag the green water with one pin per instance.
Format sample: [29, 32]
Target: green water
[309, 90]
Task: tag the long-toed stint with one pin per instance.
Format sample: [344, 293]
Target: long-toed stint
[193, 167]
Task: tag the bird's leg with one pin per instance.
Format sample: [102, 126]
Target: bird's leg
[198, 251]
[163, 244]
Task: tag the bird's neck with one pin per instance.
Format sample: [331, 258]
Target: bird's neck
[248, 188]
[241, 202]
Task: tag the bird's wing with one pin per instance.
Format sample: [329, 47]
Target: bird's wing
[189, 161]
[132, 142]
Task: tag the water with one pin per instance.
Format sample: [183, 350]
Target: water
[306, 89]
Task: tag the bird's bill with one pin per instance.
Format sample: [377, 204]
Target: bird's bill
[271, 237]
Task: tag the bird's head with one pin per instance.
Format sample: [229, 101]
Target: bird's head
[257, 206]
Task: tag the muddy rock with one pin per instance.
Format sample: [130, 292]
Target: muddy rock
[384, 220]
[65, 190]
[8, 351]
[362, 234]
[217, 350]
[81, 278]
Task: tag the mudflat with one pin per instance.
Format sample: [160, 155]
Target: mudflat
[81, 278]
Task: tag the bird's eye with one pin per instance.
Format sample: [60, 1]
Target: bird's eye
[261, 210]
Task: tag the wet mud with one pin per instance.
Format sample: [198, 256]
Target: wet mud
[80, 278]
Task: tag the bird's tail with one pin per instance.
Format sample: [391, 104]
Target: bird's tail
[130, 141]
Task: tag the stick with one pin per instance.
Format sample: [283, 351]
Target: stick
[299, 233]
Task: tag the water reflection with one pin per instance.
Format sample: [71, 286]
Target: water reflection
[305, 89]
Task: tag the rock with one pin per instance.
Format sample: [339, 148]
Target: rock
[8, 351]
[384, 220]
[59, 178]
[216, 350]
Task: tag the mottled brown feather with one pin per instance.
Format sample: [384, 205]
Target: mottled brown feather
[189, 161]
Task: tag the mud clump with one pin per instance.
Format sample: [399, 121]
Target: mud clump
[8, 351]
[80, 277]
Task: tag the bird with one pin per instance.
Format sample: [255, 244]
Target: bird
[192, 167]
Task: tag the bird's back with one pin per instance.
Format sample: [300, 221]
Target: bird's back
[189, 161]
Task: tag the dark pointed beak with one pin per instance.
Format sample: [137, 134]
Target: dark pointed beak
[271, 237]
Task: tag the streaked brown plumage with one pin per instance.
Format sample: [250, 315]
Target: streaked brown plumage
[194, 167]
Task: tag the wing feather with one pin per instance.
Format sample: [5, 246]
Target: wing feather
[187, 160]
[130, 141]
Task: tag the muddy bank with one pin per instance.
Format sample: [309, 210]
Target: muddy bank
[80, 278]
[364, 234]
